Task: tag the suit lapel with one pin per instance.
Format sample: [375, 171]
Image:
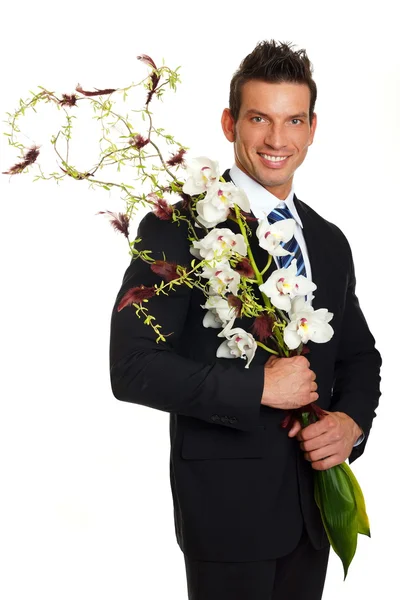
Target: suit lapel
[319, 254]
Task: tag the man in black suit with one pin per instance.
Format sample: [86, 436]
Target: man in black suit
[245, 515]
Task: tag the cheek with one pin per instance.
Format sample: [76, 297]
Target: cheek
[247, 139]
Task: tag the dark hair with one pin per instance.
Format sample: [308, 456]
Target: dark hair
[275, 64]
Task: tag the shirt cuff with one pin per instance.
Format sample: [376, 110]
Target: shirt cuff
[360, 440]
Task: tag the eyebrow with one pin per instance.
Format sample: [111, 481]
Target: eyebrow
[261, 114]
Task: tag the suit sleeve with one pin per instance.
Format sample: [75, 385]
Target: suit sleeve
[357, 367]
[154, 374]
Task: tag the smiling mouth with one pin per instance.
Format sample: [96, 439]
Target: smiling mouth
[273, 158]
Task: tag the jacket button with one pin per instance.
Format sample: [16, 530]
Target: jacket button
[232, 420]
[224, 419]
[215, 418]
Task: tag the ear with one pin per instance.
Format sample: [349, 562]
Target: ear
[312, 129]
[228, 125]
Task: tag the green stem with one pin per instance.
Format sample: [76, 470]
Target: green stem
[266, 348]
[267, 265]
[249, 252]
[279, 338]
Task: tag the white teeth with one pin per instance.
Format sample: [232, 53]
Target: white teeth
[274, 158]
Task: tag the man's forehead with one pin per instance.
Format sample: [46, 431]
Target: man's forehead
[281, 99]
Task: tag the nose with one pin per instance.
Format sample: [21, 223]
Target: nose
[275, 137]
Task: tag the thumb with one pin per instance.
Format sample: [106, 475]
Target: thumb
[296, 427]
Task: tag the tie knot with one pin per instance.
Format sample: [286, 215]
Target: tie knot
[279, 213]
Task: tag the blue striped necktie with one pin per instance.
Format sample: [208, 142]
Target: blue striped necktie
[292, 245]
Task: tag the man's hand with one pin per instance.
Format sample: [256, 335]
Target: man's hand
[329, 441]
[288, 383]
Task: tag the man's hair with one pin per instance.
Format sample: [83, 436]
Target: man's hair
[273, 63]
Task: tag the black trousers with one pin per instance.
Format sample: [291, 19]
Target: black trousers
[299, 575]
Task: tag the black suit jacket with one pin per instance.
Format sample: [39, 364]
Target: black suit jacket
[241, 487]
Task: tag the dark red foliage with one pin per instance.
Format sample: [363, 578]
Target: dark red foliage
[68, 100]
[29, 158]
[162, 209]
[139, 141]
[244, 268]
[177, 159]
[97, 93]
[186, 200]
[248, 216]
[154, 78]
[119, 221]
[262, 326]
[137, 295]
[235, 303]
[147, 60]
[166, 270]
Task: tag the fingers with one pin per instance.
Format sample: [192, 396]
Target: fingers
[295, 429]
[300, 360]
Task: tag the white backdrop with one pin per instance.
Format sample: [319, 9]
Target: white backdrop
[86, 507]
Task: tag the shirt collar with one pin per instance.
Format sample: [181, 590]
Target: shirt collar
[261, 200]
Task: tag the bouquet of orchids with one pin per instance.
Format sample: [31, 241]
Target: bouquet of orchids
[224, 269]
[226, 261]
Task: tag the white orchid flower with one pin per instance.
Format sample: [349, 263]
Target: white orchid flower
[219, 312]
[307, 324]
[283, 285]
[239, 344]
[222, 278]
[271, 236]
[220, 198]
[202, 173]
[218, 244]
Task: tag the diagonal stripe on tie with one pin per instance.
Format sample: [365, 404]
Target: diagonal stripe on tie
[292, 245]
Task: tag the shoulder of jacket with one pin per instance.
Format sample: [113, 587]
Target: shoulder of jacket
[324, 223]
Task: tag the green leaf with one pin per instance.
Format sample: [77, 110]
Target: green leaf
[362, 517]
[333, 492]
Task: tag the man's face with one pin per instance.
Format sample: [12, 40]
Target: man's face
[273, 122]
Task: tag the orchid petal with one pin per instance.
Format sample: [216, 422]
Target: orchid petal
[291, 337]
[223, 351]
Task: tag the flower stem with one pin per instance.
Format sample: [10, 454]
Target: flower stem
[266, 348]
[259, 279]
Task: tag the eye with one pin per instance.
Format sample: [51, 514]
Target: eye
[256, 118]
[297, 120]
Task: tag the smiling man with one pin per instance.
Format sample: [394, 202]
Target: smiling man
[243, 491]
[271, 129]
[271, 123]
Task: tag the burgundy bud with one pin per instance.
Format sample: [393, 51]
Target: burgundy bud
[177, 159]
[137, 295]
[244, 268]
[29, 158]
[119, 221]
[235, 303]
[186, 200]
[97, 93]
[147, 60]
[262, 326]
[138, 141]
[166, 270]
[68, 100]
[162, 209]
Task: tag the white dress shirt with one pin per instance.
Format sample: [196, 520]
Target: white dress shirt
[262, 202]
